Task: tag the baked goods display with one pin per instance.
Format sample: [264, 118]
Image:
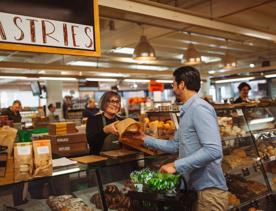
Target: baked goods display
[115, 199]
[266, 149]
[159, 129]
[227, 128]
[245, 189]
[233, 200]
[237, 159]
[67, 203]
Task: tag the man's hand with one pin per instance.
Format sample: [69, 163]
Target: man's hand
[168, 168]
[111, 129]
[139, 136]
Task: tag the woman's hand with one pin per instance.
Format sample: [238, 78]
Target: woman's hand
[111, 129]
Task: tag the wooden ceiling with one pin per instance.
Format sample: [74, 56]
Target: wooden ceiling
[121, 30]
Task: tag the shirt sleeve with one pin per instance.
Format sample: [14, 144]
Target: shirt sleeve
[205, 124]
[163, 145]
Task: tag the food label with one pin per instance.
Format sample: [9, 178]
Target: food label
[64, 149]
[62, 140]
[272, 158]
[24, 150]
[239, 112]
[43, 150]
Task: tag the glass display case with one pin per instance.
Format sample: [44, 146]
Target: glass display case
[95, 185]
[249, 162]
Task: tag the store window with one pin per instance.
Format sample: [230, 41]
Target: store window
[26, 97]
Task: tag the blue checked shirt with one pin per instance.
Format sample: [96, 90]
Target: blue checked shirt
[198, 144]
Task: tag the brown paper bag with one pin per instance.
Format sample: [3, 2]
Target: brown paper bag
[42, 158]
[127, 127]
[7, 138]
[23, 161]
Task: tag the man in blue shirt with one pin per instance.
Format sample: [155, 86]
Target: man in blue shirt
[198, 143]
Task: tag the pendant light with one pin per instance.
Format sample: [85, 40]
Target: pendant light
[143, 50]
[191, 55]
[229, 60]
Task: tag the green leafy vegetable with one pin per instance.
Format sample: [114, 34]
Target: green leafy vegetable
[155, 181]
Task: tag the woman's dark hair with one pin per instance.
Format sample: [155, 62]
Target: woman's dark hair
[50, 106]
[16, 102]
[244, 84]
[106, 97]
[189, 75]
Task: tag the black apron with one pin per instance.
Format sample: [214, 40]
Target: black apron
[111, 141]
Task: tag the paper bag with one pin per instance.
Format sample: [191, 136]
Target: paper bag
[7, 138]
[42, 158]
[23, 161]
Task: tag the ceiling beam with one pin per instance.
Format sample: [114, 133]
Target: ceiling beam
[182, 16]
[49, 67]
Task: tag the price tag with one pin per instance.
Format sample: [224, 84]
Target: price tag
[256, 166]
[272, 158]
[239, 112]
[43, 150]
[24, 150]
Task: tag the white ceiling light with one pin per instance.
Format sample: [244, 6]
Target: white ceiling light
[137, 80]
[123, 50]
[57, 79]
[112, 75]
[252, 65]
[102, 79]
[165, 81]
[13, 77]
[270, 76]
[148, 67]
[144, 51]
[212, 72]
[83, 63]
[234, 80]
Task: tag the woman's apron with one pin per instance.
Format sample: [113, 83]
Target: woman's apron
[111, 141]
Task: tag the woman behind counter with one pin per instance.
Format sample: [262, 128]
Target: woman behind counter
[244, 88]
[99, 128]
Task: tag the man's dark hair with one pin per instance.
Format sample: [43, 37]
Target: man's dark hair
[106, 97]
[50, 106]
[189, 75]
[16, 102]
[242, 85]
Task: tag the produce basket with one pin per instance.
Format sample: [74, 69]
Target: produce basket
[156, 194]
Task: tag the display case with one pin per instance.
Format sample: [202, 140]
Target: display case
[91, 182]
[249, 162]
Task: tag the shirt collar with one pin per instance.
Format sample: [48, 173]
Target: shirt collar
[187, 105]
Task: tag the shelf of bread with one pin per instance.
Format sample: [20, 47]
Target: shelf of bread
[241, 162]
[246, 189]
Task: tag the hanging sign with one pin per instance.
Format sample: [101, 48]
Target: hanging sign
[155, 86]
[61, 27]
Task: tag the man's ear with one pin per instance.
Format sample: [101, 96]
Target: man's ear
[182, 85]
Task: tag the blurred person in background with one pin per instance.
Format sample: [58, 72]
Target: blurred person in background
[13, 112]
[52, 116]
[244, 89]
[90, 109]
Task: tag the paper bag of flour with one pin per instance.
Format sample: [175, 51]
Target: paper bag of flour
[23, 161]
[42, 158]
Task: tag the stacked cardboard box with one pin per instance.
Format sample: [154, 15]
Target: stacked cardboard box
[39, 122]
[62, 128]
[69, 144]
